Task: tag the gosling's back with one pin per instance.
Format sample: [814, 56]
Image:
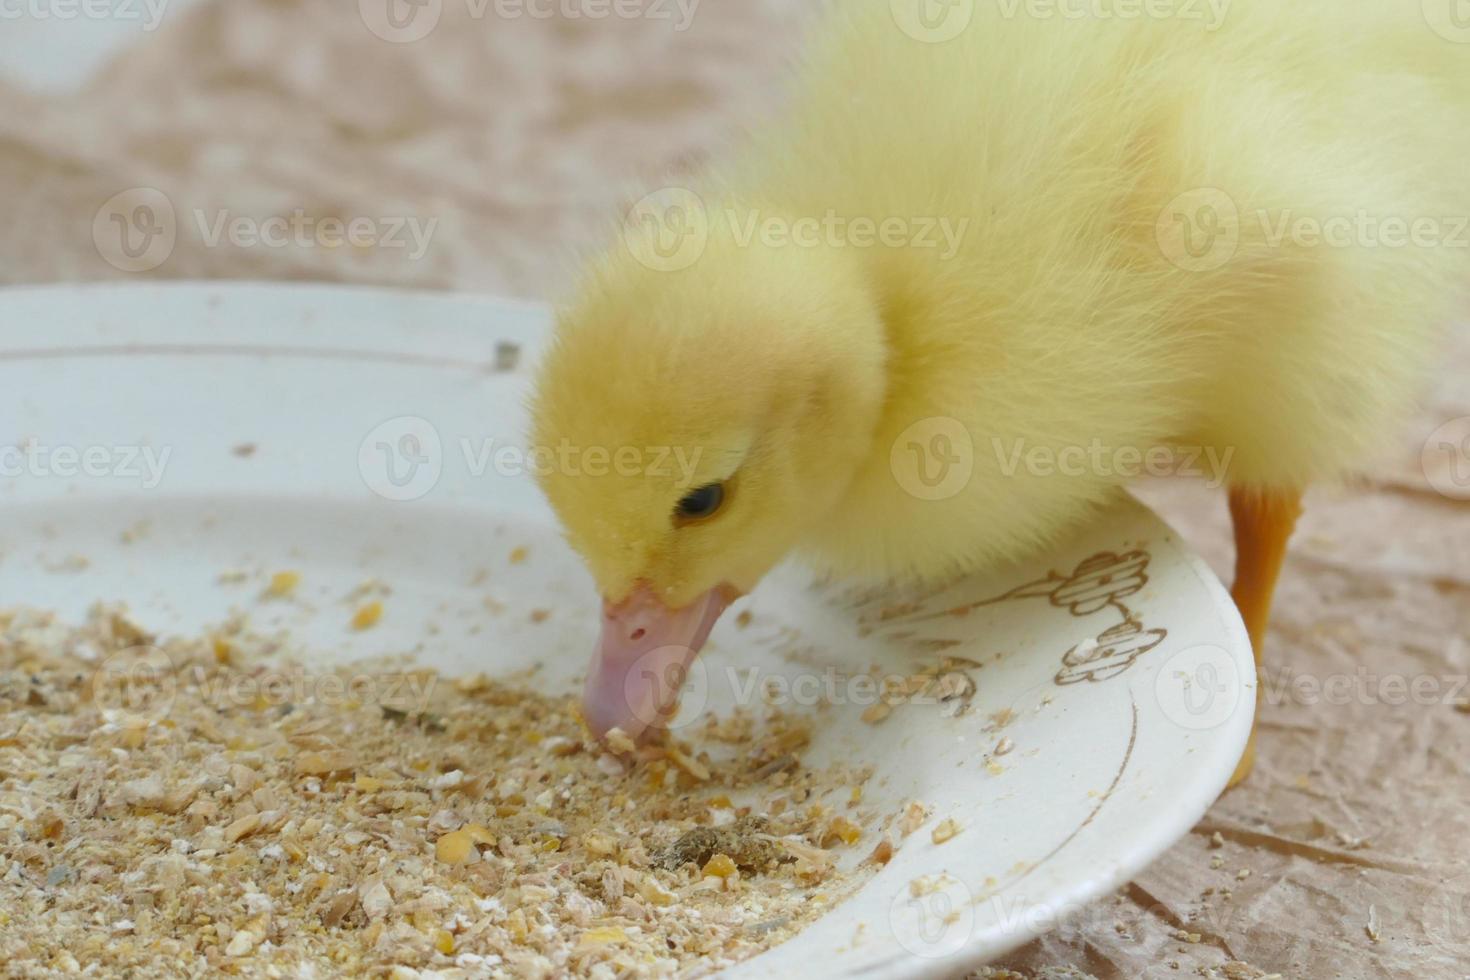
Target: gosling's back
[1142, 260]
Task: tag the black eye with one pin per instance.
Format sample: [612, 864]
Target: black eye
[701, 503]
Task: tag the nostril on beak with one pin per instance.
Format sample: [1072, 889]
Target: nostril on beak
[639, 633]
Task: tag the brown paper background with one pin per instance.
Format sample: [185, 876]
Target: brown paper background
[523, 136]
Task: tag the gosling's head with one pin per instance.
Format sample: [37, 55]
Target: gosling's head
[692, 423]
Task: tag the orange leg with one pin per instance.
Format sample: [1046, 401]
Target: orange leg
[1264, 521]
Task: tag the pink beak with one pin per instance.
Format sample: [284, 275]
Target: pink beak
[643, 659]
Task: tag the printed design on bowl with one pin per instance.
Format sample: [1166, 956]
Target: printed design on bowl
[1097, 586]
[1115, 650]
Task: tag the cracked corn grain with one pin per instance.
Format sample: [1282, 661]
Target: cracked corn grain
[199, 820]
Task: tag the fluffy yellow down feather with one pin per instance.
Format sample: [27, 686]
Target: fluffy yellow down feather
[1132, 206]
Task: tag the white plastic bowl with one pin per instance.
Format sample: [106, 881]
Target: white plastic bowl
[278, 421]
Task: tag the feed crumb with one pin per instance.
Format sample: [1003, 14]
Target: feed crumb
[946, 829]
[913, 817]
[482, 833]
[1217, 840]
[720, 866]
[136, 533]
[619, 742]
[69, 565]
[367, 616]
[282, 585]
[841, 830]
[1002, 718]
[690, 765]
[454, 848]
[881, 854]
